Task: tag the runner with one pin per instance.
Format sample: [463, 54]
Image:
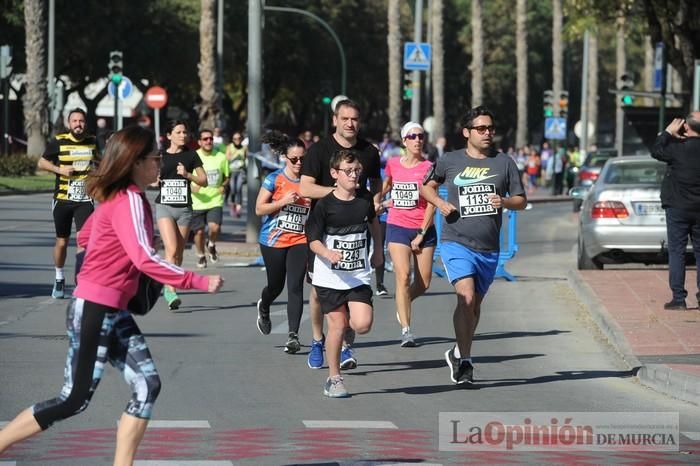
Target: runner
[337, 233]
[119, 238]
[208, 203]
[478, 180]
[237, 155]
[282, 237]
[317, 182]
[174, 202]
[410, 232]
[70, 156]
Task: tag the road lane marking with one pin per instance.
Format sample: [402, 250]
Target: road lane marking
[349, 425]
[178, 425]
[8, 463]
[692, 435]
[181, 463]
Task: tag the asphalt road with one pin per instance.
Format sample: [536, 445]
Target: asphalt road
[232, 396]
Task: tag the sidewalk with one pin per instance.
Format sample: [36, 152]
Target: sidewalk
[627, 304]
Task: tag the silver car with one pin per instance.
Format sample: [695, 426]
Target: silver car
[621, 218]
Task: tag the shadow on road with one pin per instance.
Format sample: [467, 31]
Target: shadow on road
[435, 363]
[24, 290]
[499, 335]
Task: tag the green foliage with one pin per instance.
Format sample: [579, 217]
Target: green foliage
[17, 165]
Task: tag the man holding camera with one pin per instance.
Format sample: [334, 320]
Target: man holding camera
[679, 147]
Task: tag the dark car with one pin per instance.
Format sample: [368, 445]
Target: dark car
[590, 170]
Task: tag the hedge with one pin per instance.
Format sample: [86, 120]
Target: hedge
[17, 165]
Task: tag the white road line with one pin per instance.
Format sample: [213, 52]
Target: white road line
[8, 463]
[692, 435]
[181, 463]
[178, 425]
[349, 425]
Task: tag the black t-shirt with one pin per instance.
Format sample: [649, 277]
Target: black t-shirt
[175, 189]
[316, 164]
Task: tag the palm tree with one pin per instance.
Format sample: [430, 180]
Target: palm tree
[521, 65]
[208, 109]
[394, 44]
[593, 84]
[477, 64]
[36, 97]
[438, 70]
[557, 53]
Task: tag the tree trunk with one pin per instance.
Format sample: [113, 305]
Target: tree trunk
[208, 109]
[593, 86]
[521, 132]
[438, 71]
[36, 99]
[395, 78]
[477, 65]
[648, 79]
[557, 54]
[620, 69]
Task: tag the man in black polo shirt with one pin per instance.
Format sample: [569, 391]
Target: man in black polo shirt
[679, 147]
[316, 182]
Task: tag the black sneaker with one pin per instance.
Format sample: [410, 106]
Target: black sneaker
[292, 346]
[59, 289]
[263, 322]
[381, 290]
[213, 256]
[202, 262]
[460, 371]
[675, 306]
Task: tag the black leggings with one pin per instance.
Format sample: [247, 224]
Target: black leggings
[289, 263]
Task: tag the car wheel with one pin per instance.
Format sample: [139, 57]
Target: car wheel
[577, 205]
[584, 261]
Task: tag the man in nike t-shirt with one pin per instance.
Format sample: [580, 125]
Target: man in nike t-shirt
[480, 183]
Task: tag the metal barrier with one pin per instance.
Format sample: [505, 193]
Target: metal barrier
[508, 250]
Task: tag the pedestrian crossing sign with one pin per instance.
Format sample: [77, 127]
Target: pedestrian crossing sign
[416, 56]
[555, 128]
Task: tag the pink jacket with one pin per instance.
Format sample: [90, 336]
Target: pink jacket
[118, 239]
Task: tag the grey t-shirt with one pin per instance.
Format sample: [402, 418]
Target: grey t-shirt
[469, 182]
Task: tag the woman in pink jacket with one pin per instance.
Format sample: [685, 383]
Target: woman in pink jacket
[118, 237]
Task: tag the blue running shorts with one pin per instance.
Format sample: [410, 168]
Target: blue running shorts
[461, 262]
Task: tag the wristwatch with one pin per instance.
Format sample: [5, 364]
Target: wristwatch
[421, 232]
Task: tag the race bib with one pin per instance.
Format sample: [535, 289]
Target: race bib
[76, 191]
[404, 195]
[292, 218]
[474, 200]
[236, 164]
[81, 165]
[173, 191]
[213, 178]
[353, 254]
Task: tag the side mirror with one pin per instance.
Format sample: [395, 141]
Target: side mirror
[579, 192]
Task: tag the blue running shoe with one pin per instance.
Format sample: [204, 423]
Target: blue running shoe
[347, 358]
[315, 360]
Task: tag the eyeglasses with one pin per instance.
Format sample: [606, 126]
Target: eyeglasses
[207, 139]
[482, 129]
[294, 160]
[350, 171]
[414, 136]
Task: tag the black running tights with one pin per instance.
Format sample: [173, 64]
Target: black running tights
[290, 264]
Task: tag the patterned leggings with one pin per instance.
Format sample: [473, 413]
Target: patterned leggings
[98, 334]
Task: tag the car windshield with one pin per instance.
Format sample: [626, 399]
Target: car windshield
[635, 173]
[597, 160]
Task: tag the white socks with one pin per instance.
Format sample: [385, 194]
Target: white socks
[59, 273]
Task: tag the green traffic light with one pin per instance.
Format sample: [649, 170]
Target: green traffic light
[116, 79]
[326, 100]
[627, 99]
[548, 113]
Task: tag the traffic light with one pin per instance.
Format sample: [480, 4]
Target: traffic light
[564, 104]
[626, 83]
[116, 66]
[408, 86]
[548, 103]
[326, 92]
[5, 61]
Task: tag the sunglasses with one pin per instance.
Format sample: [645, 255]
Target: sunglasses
[350, 171]
[414, 136]
[294, 160]
[207, 139]
[482, 129]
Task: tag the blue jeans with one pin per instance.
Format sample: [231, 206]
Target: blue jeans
[680, 224]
